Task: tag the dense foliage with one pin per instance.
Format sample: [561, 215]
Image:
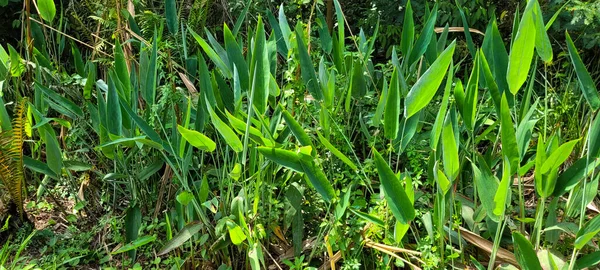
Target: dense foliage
[150, 134]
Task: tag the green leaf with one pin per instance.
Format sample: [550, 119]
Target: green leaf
[226, 132]
[185, 197]
[391, 115]
[436, 130]
[296, 128]
[197, 139]
[502, 195]
[577, 171]
[586, 83]
[47, 9]
[487, 185]
[214, 57]
[370, 218]
[133, 222]
[38, 166]
[53, 153]
[113, 109]
[259, 70]
[587, 232]
[450, 150]
[395, 195]
[423, 41]
[521, 52]
[234, 52]
[469, 109]
[336, 152]
[497, 58]
[316, 177]
[510, 148]
[425, 88]
[171, 15]
[282, 157]
[236, 234]
[542, 42]
[408, 30]
[309, 76]
[558, 156]
[144, 240]
[524, 252]
[66, 104]
[121, 70]
[185, 234]
[588, 260]
[594, 138]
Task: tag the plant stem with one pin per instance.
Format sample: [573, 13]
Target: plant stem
[538, 222]
[496, 245]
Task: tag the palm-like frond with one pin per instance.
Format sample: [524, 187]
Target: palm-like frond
[11, 156]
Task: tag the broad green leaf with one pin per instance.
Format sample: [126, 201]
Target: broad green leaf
[558, 156]
[381, 104]
[185, 197]
[259, 70]
[185, 234]
[436, 130]
[586, 83]
[144, 240]
[423, 41]
[309, 76]
[502, 195]
[370, 218]
[450, 150]
[594, 138]
[587, 232]
[234, 52]
[296, 128]
[587, 261]
[542, 42]
[78, 60]
[121, 70]
[236, 234]
[521, 52]
[254, 133]
[425, 88]
[577, 171]
[282, 157]
[497, 58]
[391, 115]
[61, 101]
[53, 153]
[47, 9]
[395, 195]
[91, 79]
[225, 131]
[443, 183]
[133, 222]
[214, 57]
[197, 139]
[286, 32]
[524, 252]
[336, 152]
[469, 109]
[39, 167]
[510, 148]
[490, 81]
[171, 15]
[148, 70]
[113, 108]
[487, 185]
[316, 177]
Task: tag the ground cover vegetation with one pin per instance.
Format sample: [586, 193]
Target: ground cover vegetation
[299, 135]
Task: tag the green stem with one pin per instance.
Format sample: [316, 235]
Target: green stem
[496, 245]
[538, 222]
